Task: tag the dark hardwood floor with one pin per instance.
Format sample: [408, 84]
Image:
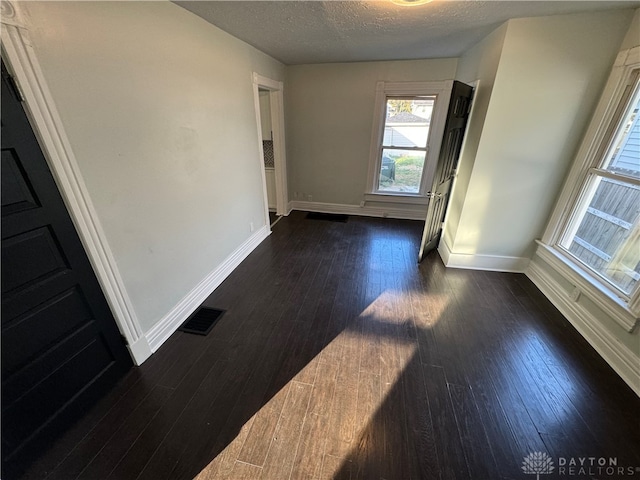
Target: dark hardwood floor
[339, 357]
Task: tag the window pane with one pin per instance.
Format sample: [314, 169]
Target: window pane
[401, 170]
[607, 237]
[624, 157]
[407, 122]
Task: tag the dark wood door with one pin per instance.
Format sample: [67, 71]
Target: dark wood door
[61, 348]
[457, 115]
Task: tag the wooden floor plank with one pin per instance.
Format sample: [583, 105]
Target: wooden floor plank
[421, 437]
[475, 443]
[390, 423]
[368, 448]
[498, 430]
[451, 457]
[334, 468]
[343, 411]
[221, 467]
[308, 461]
[256, 447]
[279, 461]
[122, 439]
[244, 471]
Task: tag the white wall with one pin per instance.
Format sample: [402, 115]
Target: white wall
[480, 64]
[550, 74]
[159, 110]
[329, 116]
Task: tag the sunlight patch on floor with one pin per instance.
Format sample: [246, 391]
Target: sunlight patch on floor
[222, 466]
[352, 377]
[400, 306]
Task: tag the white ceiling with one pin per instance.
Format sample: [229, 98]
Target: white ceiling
[301, 32]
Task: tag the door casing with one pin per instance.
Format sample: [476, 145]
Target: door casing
[276, 100]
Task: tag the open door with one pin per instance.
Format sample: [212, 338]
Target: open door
[457, 115]
[61, 348]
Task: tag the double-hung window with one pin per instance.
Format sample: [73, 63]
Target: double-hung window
[604, 231]
[403, 149]
[407, 132]
[596, 229]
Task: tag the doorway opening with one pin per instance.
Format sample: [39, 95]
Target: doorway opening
[266, 135]
[268, 96]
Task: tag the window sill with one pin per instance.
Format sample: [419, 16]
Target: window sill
[407, 199]
[610, 303]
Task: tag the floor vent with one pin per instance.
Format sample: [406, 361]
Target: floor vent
[332, 217]
[202, 321]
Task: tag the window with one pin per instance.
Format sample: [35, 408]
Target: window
[604, 231]
[595, 228]
[408, 126]
[404, 143]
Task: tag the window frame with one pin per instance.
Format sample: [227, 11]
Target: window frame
[441, 90]
[588, 161]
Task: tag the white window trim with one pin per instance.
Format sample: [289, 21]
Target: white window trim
[442, 91]
[624, 310]
[390, 197]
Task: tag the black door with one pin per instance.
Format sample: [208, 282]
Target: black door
[457, 115]
[61, 348]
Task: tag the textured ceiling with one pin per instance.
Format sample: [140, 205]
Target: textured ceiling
[299, 32]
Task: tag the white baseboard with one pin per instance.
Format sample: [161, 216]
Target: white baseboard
[391, 212]
[495, 263]
[140, 350]
[444, 251]
[617, 355]
[288, 210]
[178, 314]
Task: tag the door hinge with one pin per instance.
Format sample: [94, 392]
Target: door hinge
[124, 339]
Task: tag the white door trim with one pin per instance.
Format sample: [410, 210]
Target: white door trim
[21, 61]
[276, 100]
